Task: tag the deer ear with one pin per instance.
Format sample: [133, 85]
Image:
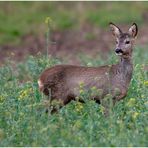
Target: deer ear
[133, 30]
[115, 30]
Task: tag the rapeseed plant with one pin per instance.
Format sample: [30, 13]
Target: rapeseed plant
[131, 102]
[24, 93]
[2, 98]
[135, 115]
[145, 83]
[79, 107]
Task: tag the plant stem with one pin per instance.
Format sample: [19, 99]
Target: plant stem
[47, 40]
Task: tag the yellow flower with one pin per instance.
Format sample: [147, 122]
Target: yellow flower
[81, 91]
[142, 96]
[81, 84]
[145, 83]
[135, 115]
[48, 20]
[102, 109]
[24, 93]
[94, 88]
[95, 91]
[2, 98]
[77, 124]
[79, 106]
[131, 102]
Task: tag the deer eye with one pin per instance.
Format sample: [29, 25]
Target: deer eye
[127, 42]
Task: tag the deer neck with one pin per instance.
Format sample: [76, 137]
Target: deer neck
[125, 67]
[125, 63]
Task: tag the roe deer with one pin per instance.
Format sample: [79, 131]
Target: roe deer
[63, 79]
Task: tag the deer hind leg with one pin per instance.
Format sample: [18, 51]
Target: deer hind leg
[57, 100]
[55, 105]
[51, 103]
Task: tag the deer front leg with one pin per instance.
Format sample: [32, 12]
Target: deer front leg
[119, 97]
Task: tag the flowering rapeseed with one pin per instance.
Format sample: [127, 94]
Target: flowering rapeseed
[24, 93]
[145, 83]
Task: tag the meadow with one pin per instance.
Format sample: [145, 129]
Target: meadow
[23, 121]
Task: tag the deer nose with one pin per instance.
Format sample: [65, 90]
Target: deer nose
[118, 50]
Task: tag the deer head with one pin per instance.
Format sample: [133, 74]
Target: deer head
[124, 41]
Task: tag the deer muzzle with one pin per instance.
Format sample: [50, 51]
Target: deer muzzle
[119, 51]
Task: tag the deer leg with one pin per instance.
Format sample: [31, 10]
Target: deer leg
[58, 100]
[54, 106]
[120, 97]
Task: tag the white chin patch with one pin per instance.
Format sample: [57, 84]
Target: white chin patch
[119, 54]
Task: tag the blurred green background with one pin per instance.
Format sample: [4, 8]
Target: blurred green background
[19, 18]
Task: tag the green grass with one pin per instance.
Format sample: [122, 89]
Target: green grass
[23, 121]
[21, 18]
